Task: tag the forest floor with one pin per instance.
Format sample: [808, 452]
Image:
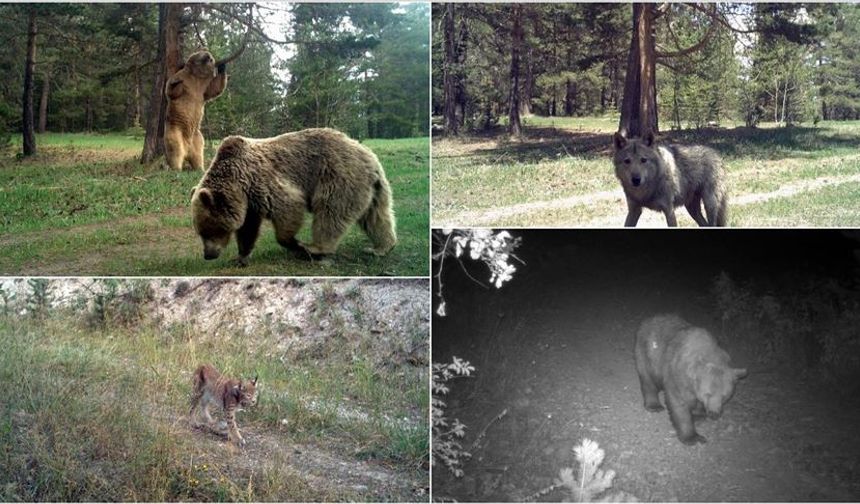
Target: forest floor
[556, 353]
[85, 206]
[101, 409]
[561, 175]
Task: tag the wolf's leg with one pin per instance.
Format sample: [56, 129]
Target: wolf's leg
[670, 216]
[715, 207]
[633, 212]
[695, 209]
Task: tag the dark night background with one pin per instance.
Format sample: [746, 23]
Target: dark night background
[554, 346]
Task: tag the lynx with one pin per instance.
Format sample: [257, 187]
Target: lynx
[212, 389]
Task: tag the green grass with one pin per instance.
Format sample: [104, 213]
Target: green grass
[85, 206]
[561, 175]
[98, 413]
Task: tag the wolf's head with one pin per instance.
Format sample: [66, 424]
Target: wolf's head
[636, 160]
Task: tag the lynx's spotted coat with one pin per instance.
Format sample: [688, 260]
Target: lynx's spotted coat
[213, 389]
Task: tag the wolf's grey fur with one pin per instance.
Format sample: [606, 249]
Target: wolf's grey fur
[662, 177]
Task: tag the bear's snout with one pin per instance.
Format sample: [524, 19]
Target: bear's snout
[635, 179]
[211, 254]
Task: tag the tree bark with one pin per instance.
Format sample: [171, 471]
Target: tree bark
[449, 83]
[514, 124]
[639, 105]
[43, 102]
[29, 140]
[169, 25]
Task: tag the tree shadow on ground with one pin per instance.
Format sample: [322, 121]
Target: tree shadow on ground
[771, 143]
[548, 144]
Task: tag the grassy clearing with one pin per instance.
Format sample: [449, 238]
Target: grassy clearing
[562, 170]
[85, 206]
[99, 414]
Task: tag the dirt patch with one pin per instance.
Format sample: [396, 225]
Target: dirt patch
[497, 216]
[320, 468]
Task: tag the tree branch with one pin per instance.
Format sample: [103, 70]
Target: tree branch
[698, 45]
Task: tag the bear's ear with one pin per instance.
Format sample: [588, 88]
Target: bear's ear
[740, 373]
[206, 197]
[649, 138]
[620, 140]
[231, 146]
[193, 190]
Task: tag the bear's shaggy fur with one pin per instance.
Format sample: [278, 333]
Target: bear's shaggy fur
[687, 365]
[199, 81]
[319, 170]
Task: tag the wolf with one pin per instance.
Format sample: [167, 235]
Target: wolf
[662, 177]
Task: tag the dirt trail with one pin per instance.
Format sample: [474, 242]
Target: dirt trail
[565, 371]
[324, 471]
[497, 216]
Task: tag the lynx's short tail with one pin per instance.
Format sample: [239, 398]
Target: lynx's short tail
[378, 222]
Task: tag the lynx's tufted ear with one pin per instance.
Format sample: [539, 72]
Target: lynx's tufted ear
[254, 381]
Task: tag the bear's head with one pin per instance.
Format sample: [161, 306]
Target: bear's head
[201, 65]
[216, 216]
[715, 386]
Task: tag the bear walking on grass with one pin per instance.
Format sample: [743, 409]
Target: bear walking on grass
[687, 365]
[318, 170]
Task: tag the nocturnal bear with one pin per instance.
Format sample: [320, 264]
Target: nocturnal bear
[687, 365]
[318, 170]
[200, 79]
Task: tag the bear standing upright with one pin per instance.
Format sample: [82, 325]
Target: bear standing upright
[686, 363]
[319, 170]
[200, 79]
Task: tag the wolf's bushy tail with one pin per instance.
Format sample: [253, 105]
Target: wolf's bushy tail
[378, 221]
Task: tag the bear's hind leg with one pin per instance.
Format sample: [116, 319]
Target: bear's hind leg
[378, 221]
[174, 149]
[246, 236]
[195, 151]
[327, 232]
[650, 394]
[683, 422]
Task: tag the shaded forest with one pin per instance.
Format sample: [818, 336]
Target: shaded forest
[361, 68]
[658, 66]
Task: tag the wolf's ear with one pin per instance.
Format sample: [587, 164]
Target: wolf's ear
[620, 140]
[649, 138]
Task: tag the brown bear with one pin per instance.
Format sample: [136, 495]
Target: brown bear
[319, 170]
[686, 363]
[200, 80]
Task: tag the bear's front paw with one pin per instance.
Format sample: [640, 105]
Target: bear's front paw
[693, 440]
[242, 261]
[655, 408]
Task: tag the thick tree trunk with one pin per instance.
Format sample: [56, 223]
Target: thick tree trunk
[514, 124]
[43, 102]
[528, 85]
[29, 140]
[449, 112]
[168, 63]
[639, 105]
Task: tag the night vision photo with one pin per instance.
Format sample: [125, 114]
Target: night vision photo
[215, 139]
[622, 366]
